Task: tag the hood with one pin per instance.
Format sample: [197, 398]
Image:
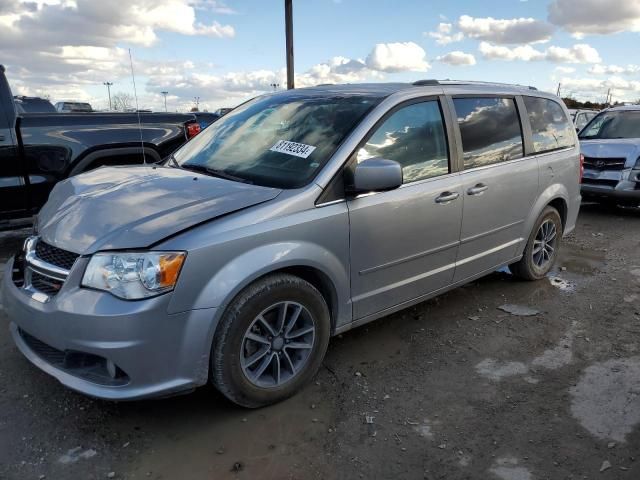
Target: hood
[134, 207]
[628, 148]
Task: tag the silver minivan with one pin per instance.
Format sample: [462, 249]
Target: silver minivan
[295, 217]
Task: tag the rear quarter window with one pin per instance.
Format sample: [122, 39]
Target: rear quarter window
[550, 127]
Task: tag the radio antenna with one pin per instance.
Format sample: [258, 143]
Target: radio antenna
[135, 94]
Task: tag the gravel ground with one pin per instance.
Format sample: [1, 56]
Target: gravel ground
[455, 388]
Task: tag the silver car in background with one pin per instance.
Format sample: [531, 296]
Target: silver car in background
[611, 148]
[295, 217]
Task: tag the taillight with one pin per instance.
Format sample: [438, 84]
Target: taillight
[193, 129]
[581, 166]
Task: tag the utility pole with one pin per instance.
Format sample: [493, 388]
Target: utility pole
[108, 85]
[608, 97]
[164, 94]
[197, 102]
[288, 27]
[558, 92]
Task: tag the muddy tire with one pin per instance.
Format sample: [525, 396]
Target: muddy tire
[271, 341]
[542, 247]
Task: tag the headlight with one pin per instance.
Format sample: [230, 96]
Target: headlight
[134, 275]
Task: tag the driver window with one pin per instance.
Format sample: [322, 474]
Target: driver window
[413, 136]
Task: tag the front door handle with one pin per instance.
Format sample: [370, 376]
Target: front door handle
[479, 189]
[446, 197]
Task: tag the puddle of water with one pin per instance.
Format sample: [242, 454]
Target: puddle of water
[550, 359]
[75, 454]
[424, 429]
[606, 400]
[507, 468]
[580, 261]
[562, 284]
[560, 355]
[497, 370]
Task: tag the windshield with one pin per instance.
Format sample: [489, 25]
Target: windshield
[278, 141]
[616, 124]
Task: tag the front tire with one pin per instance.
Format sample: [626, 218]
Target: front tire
[271, 341]
[542, 247]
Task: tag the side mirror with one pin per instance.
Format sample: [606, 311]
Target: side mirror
[377, 174]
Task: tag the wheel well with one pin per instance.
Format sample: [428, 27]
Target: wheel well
[561, 206]
[320, 281]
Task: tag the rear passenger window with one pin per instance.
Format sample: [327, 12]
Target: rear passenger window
[490, 130]
[413, 136]
[550, 126]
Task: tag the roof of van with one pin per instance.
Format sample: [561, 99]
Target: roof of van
[386, 89]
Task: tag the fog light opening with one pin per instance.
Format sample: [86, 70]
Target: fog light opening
[112, 369]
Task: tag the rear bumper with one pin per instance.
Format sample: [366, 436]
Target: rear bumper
[81, 336]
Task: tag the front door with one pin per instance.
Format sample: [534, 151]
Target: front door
[499, 184]
[404, 242]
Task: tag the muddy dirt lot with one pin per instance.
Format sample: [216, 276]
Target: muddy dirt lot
[454, 388]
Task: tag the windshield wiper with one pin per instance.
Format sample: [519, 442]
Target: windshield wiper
[214, 173]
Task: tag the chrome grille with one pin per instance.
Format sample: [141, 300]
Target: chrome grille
[55, 256]
[604, 163]
[45, 284]
[45, 268]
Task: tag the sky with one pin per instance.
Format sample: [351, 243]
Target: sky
[226, 51]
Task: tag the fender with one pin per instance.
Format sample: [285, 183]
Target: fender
[81, 166]
[243, 270]
[551, 193]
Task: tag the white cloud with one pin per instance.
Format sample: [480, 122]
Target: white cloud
[506, 31]
[398, 57]
[525, 53]
[614, 69]
[444, 34]
[579, 53]
[565, 69]
[582, 17]
[458, 58]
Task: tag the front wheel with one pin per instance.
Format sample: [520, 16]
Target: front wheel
[270, 341]
[542, 246]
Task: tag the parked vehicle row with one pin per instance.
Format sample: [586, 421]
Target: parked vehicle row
[40, 149]
[581, 117]
[297, 216]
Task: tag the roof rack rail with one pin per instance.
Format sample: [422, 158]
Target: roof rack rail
[421, 83]
[426, 83]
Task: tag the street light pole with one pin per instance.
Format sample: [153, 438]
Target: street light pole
[164, 94]
[197, 102]
[288, 26]
[108, 85]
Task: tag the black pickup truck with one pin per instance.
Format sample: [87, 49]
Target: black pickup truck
[37, 150]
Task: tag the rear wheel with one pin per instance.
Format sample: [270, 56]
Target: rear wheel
[271, 341]
[542, 246]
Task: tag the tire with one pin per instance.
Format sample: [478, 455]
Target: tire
[253, 314]
[528, 268]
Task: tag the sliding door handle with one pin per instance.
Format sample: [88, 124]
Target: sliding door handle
[446, 197]
[479, 189]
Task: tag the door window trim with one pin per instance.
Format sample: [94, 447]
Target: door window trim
[326, 199]
[525, 133]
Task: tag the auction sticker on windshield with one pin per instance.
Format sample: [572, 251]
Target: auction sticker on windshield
[292, 148]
